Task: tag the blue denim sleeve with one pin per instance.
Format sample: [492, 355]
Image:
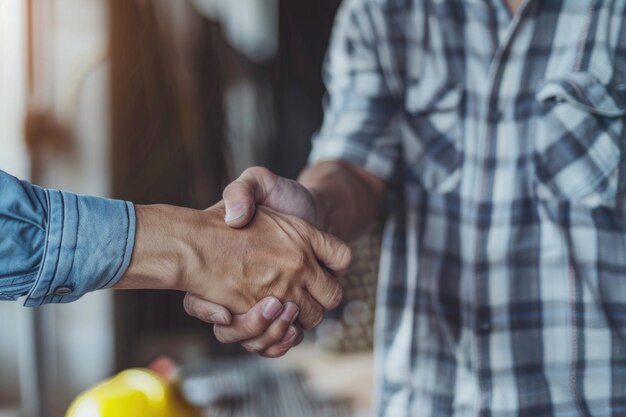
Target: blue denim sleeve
[57, 246]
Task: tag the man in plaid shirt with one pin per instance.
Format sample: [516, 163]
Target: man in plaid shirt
[496, 128]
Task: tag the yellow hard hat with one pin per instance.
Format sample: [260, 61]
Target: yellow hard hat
[132, 393]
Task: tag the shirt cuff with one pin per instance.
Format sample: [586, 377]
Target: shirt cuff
[89, 245]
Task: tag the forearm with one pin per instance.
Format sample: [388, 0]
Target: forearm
[162, 248]
[276, 254]
[347, 197]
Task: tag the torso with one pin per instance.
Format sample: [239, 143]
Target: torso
[507, 292]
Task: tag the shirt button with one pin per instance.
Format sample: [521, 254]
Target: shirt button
[63, 291]
[485, 326]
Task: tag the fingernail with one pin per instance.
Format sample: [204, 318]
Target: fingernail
[272, 308]
[290, 336]
[290, 313]
[218, 318]
[236, 212]
[251, 347]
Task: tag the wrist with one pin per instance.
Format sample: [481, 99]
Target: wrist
[158, 254]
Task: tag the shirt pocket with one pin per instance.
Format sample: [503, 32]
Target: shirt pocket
[579, 139]
[432, 138]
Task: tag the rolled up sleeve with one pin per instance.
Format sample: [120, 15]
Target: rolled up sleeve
[56, 246]
[360, 107]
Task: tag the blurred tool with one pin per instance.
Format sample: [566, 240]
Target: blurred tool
[250, 388]
[135, 393]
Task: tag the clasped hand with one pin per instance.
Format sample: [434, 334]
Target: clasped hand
[274, 255]
[235, 254]
[277, 254]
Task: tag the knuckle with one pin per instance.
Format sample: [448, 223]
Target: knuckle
[295, 261]
[233, 185]
[346, 255]
[342, 255]
[249, 347]
[257, 172]
[306, 231]
[228, 190]
[274, 335]
[335, 296]
[274, 352]
[189, 306]
[300, 260]
[234, 189]
[314, 318]
[254, 326]
[316, 321]
[299, 340]
[219, 335]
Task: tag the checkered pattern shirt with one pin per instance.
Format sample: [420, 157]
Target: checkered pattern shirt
[503, 273]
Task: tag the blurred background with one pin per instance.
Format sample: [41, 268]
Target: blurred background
[162, 101]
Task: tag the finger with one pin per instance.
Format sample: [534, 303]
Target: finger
[325, 289]
[252, 324]
[242, 195]
[276, 332]
[286, 344]
[206, 310]
[311, 312]
[299, 339]
[331, 252]
[294, 333]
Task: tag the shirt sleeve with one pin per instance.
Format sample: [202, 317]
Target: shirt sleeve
[57, 246]
[359, 107]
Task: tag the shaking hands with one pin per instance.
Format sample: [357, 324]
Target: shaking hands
[275, 254]
[259, 273]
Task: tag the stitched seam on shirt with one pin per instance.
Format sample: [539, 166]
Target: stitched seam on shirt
[56, 265]
[8, 216]
[45, 250]
[16, 290]
[20, 274]
[125, 248]
[69, 273]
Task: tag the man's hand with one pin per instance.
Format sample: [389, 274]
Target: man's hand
[260, 186]
[341, 198]
[257, 332]
[269, 327]
[276, 255]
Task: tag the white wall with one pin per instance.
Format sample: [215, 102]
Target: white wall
[80, 337]
[83, 330]
[13, 159]
[13, 155]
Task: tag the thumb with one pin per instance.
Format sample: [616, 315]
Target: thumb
[242, 195]
[334, 254]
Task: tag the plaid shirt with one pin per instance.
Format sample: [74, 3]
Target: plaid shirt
[503, 274]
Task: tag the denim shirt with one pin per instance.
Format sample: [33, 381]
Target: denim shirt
[56, 246]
